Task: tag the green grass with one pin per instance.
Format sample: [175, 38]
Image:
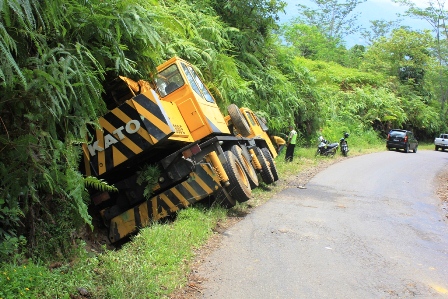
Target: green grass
[157, 261]
[151, 265]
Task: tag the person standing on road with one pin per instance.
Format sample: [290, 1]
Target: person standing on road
[279, 143]
[290, 144]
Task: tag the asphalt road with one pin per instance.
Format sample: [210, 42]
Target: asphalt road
[367, 227]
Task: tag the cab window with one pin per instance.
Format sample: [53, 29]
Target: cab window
[262, 123]
[196, 83]
[249, 117]
[169, 80]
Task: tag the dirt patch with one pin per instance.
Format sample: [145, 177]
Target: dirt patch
[193, 289]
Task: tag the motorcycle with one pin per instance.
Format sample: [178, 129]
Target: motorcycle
[344, 145]
[326, 148]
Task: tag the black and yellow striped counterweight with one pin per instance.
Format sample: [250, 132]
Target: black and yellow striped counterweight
[128, 130]
[201, 183]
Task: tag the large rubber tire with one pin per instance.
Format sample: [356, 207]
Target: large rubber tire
[247, 166]
[268, 156]
[415, 149]
[239, 188]
[406, 150]
[265, 174]
[238, 120]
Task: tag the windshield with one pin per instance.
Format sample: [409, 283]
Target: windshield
[169, 80]
[196, 83]
[397, 134]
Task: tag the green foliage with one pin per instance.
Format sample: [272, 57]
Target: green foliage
[51, 88]
[334, 18]
[309, 42]
[98, 184]
[404, 50]
[27, 279]
[148, 176]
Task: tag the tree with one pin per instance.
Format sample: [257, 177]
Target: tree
[436, 16]
[405, 55]
[309, 42]
[378, 28]
[334, 19]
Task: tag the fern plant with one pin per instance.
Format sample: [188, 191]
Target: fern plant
[148, 176]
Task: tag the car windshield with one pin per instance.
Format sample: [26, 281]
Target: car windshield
[397, 134]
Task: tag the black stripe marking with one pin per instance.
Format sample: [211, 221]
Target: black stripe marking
[138, 221]
[185, 193]
[94, 163]
[149, 208]
[174, 199]
[109, 152]
[150, 106]
[199, 191]
[208, 180]
[132, 114]
[154, 130]
[158, 113]
[162, 204]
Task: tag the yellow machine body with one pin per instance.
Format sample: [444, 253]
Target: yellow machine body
[177, 82]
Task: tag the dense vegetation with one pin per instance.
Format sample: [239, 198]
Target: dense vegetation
[57, 55]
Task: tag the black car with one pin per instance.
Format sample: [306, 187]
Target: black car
[401, 139]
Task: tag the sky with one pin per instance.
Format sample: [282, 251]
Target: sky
[369, 10]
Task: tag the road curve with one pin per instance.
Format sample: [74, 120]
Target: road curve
[367, 227]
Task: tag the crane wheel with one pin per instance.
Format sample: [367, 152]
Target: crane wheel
[239, 187]
[272, 167]
[248, 168]
[238, 120]
[265, 174]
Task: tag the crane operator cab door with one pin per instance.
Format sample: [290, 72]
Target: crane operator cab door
[178, 82]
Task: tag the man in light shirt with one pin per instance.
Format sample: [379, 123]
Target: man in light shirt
[290, 144]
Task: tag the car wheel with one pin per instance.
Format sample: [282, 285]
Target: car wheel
[406, 150]
[388, 148]
[415, 149]
[436, 148]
